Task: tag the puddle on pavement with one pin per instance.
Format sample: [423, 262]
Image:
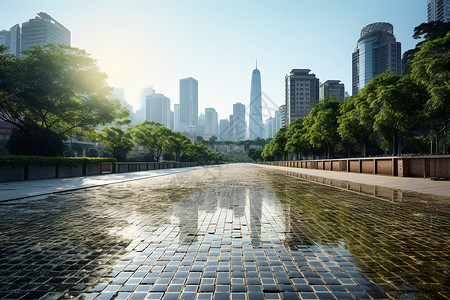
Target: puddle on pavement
[235, 230]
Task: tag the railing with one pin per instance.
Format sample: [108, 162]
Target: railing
[402, 166]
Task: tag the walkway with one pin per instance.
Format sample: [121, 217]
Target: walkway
[29, 188]
[419, 185]
[227, 232]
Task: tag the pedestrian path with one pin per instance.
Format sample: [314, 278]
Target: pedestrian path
[21, 189]
[419, 185]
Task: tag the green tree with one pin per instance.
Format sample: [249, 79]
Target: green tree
[152, 136]
[356, 121]
[276, 148]
[114, 139]
[428, 32]
[321, 125]
[255, 154]
[295, 138]
[56, 88]
[177, 144]
[430, 67]
[395, 105]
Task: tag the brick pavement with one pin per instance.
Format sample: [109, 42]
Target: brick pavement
[232, 232]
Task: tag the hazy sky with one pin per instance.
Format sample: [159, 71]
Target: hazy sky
[140, 43]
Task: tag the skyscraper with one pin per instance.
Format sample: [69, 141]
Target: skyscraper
[42, 30]
[176, 117]
[188, 104]
[255, 119]
[282, 112]
[11, 39]
[332, 88]
[376, 51]
[238, 125]
[224, 130]
[438, 10]
[211, 122]
[158, 109]
[141, 112]
[301, 93]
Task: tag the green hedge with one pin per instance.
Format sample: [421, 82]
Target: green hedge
[41, 160]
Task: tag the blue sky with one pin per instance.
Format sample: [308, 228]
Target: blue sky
[139, 43]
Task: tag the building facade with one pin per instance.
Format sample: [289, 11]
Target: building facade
[376, 51]
[269, 128]
[176, 117]
[188, 104]
[11, 39]
[438, 10]
[332, 88]
[224, 130]
[238, 125]
[255, 118]
[158, 109]
[41, 30]
[301, 93]
[282, 116]
[211, 122]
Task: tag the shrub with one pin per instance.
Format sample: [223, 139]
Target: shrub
[41, 160]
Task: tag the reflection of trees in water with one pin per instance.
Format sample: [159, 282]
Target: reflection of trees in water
[397, 244]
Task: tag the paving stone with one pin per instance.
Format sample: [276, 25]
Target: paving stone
[233, 232]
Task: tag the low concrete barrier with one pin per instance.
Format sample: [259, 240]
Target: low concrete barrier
[403, 166]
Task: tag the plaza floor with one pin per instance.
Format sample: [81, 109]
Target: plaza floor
[228, 232]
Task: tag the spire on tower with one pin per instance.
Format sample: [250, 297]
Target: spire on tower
[256, 64]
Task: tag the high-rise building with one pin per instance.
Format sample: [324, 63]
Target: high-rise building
[332, 88]
[172, 120]
[224, 130]
[119, 93]
[158, 109]
[211, 122]
[255, 119]
[188, 103]
[238, 126]
[176, 117]
[200, 130]
[438, 10]
[282, 112]
[42, 30]
[376, 51]
[11, 39]
[277, 121]
[269, 128]
[301, 93]
[141, 112]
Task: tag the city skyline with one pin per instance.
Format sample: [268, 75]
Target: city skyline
[202, 43]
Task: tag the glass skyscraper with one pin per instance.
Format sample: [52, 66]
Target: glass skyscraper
[255, 119]
[376, 51]
[188, 104]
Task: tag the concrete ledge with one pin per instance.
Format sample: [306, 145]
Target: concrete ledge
[69, 171]
[40, 172]
[12, 173]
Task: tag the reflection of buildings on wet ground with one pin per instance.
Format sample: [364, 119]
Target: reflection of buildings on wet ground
[245, 232]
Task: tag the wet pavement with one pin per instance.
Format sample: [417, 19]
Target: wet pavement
[231, 232]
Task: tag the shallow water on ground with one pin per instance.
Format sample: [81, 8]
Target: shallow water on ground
[236, 231]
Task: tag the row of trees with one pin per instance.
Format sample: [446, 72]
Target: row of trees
[157, 139]
[412, 110]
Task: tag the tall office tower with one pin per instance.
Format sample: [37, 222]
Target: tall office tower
[11, 39]
[42, 30]
[438, 10]
[255, 118]
[172, 120]
[119, 93]
[282, 112]
[200, 130]
[176, 117]
[224, 130]
[269, 128]
[158, 109]
[238, 126]
[376, 51]
[277, 121]
[301, 93]
[211, 122]
[141, 112]
[188, 103]
[332, 88]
